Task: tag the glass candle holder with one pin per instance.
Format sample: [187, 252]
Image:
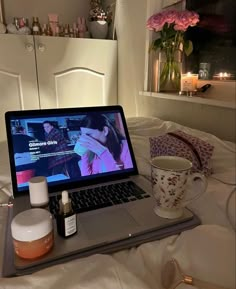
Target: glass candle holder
[204, 70]
[189, 84]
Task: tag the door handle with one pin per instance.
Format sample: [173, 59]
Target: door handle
[29, 47]
[41, 47]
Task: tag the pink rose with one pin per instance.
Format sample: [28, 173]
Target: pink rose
[186, 18]
[179, 27]
[180, 19]
[170, 16]
[156, 22]
[193, 17]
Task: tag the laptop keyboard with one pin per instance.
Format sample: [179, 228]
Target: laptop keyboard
[100, 197]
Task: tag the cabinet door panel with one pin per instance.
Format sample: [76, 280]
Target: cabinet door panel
[76, 72]
[18, 81]
[77, 80]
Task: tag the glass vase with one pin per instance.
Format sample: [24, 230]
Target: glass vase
[169, 71]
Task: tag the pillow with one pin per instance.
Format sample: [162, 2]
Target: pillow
[181, 144]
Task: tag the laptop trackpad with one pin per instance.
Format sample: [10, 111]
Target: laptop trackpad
[108, 224]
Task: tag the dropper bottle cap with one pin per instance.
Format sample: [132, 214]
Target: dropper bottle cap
[65, 203]
[64, 197]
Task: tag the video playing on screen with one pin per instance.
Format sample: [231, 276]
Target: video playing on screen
[69, 148]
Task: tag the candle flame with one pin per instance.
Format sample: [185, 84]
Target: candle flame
[224, 75]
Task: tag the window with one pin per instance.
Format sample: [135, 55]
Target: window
[214, 39]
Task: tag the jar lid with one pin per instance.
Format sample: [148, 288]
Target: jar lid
[31, 225]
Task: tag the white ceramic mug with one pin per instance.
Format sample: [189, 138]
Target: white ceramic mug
[172, 180]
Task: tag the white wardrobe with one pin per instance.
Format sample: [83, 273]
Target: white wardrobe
[53, 72]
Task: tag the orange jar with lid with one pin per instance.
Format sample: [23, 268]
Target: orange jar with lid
[32, 233]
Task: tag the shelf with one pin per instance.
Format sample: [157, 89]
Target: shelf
[194, 99]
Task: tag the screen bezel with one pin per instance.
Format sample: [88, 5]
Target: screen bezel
[62, 112]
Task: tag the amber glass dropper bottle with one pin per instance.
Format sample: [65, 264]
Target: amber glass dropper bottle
[66, 220]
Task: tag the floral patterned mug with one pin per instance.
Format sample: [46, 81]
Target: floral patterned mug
[172, 180]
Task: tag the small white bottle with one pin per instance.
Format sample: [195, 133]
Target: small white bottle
[38, 192]
[66, 220]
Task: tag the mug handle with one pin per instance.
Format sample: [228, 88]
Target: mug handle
[198, 183]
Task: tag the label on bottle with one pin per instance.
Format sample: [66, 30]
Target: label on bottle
[70, 225]
[35, 28]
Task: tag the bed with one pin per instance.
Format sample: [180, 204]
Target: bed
[206, 252]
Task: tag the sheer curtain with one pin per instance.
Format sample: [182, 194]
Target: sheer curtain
[130, 30]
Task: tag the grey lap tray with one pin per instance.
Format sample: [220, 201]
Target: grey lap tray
[14, 265]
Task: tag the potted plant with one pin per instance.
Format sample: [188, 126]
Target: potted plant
[99, 19]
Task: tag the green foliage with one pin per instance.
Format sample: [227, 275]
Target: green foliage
[188, 47]
[157, 44]
[171, 40]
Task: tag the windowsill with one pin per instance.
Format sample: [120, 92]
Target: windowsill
[193, 99]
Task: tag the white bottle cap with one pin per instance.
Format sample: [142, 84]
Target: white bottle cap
[64, 197]
[38, 190]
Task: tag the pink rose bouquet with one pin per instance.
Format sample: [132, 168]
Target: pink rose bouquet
[171, 26]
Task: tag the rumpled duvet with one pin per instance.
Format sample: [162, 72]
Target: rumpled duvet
[206, 252]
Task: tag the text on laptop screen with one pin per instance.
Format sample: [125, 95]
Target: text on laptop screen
[69, 147]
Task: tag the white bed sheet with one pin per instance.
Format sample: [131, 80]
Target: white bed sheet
[217, 205]
[206, 252]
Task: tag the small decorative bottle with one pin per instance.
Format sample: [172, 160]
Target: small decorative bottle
[61, 31]
[36, 29]
[67, 30]
[57, 31]
[44, 30]
[49, 30]
[71, 32]
[16, 22]
[75, 30]
[66, 220]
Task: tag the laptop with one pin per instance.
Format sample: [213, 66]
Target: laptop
[107, 222]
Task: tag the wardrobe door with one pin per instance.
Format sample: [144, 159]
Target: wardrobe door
[18, 81]
[76, 72]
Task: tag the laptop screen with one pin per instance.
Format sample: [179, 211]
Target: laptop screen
[71, 147]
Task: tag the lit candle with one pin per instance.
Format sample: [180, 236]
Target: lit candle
[189, 82]
[223, 76]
